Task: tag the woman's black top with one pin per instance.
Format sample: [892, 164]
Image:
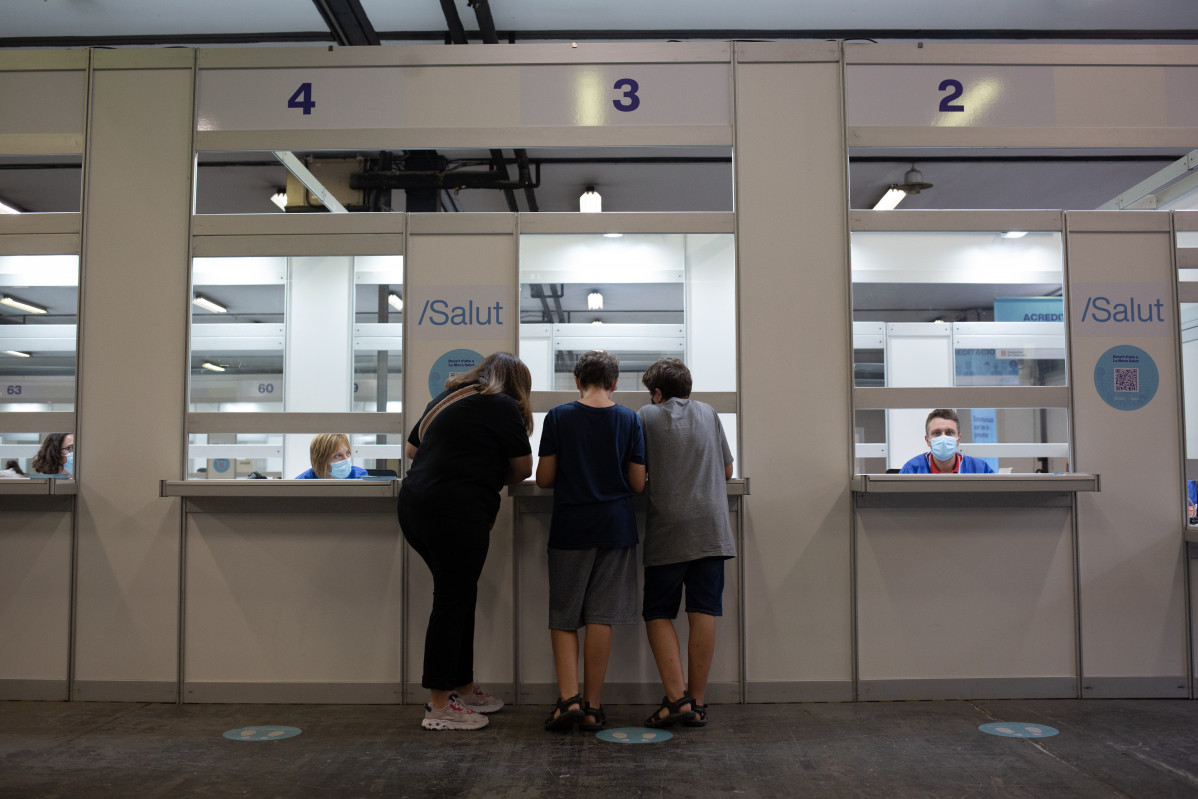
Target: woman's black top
[463, 458]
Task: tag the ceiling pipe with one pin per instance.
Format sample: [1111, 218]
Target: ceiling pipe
[347, 22]
[457, 33]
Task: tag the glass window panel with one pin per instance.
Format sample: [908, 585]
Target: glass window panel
[42, 184]
[958, 308]
[38, 332]
[1016, 440]
[641, 296]
[238, 328]
[378, 333]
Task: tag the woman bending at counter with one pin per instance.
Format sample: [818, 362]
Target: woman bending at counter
[329, 454]
[57, 455]
[471, 440]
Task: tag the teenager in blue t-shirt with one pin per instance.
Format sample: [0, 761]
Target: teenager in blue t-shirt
[593, 454]
[942, 433]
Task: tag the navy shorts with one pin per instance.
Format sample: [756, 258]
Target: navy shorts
[704, 581]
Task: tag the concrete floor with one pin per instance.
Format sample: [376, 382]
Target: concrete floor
[1115, 748]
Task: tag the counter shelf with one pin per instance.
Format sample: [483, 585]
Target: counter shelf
[969, 490]
[37, 493]
[737, 487]
[284, 496]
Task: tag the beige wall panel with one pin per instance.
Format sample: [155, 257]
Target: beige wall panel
[35, 594]
[1130, 535]
[794, 370]
[461, 253]
[132, 362]
[965, 594]
[286, 597]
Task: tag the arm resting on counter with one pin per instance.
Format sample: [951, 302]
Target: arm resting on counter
[520, 469]
[546, 470]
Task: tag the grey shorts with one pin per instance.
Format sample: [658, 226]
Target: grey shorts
[592, 586]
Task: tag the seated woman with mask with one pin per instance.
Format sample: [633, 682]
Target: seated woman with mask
[57, 455]
[329, 454]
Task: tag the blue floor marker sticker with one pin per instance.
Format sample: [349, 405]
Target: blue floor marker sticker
[1018, 729]
[634, 735]
[262, 733]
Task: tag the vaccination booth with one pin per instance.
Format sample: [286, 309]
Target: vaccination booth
[193, 347]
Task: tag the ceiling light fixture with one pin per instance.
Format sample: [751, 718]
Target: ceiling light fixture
[590, 202]
[893, 196]
[395, 301]
[279, 198]
[212, 367]
[594, 301]
[913, 183]
[5, 208]
[1014, 234]
[209, 305]
[22, 305]
[596, 321]
[613, 235]
[18, 354]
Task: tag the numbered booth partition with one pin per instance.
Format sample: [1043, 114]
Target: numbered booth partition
[39, 300]
[1185, 226]
[644, 287]
[965, 583]
[293, 586]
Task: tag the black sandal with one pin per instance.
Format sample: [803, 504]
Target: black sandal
[599, 716]
[673, 714]
[565, 718]
[700, 719]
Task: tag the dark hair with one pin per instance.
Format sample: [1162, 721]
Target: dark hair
[671, 376]
[500, 373]
[942, 413]
[597, 368]
[49, 459]
[14, 466]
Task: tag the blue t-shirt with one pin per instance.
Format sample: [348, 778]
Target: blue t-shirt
[355, 472]
[921, 464]
[592, 501]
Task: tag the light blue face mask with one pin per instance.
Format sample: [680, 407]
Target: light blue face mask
[944, 447]
[70, 464]
[341, 469]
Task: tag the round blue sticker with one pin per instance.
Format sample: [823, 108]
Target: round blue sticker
[1126, 377]
[262, 733]
[221, 465]
[451, 363]
[1018, 729]
[634, 735]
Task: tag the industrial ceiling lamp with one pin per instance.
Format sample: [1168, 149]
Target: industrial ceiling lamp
[395, 301]
[279, 198]
[913, 183]
[590, 202]
[5, 208]
[594, 301]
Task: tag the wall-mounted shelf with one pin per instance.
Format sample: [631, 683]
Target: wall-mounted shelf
[281, 489]
[737, 487]
[36, 486]
[969, 490]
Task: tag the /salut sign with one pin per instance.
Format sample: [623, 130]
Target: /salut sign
[460, 312]
[1125, 310]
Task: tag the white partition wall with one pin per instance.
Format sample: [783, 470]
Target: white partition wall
[132, 396]
[796, 357]
[1123, 326]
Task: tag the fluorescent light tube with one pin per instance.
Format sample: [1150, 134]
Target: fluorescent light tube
[279, 198]
[208, 304]
[1014, 234]
[594, 301]
[212, 367]
[5, 208]
[395, 301]
[18, 354]
[590, 202]
[24, 306]
[890, 199]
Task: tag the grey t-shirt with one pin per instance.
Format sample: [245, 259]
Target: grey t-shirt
[685, 453]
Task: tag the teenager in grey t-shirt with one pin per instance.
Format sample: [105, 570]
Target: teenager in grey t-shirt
[686, 453]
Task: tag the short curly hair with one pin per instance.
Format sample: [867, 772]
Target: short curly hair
[671, 376]
[597, 368]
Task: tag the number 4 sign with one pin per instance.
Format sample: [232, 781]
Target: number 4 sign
[302, 99]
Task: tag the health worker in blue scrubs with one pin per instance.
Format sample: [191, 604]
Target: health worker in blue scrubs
[942, 433]
[329, 455]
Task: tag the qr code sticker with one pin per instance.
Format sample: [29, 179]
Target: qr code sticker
[1127, 379]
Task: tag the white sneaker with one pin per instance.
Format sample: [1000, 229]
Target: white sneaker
[452, 717]
[480, 701]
